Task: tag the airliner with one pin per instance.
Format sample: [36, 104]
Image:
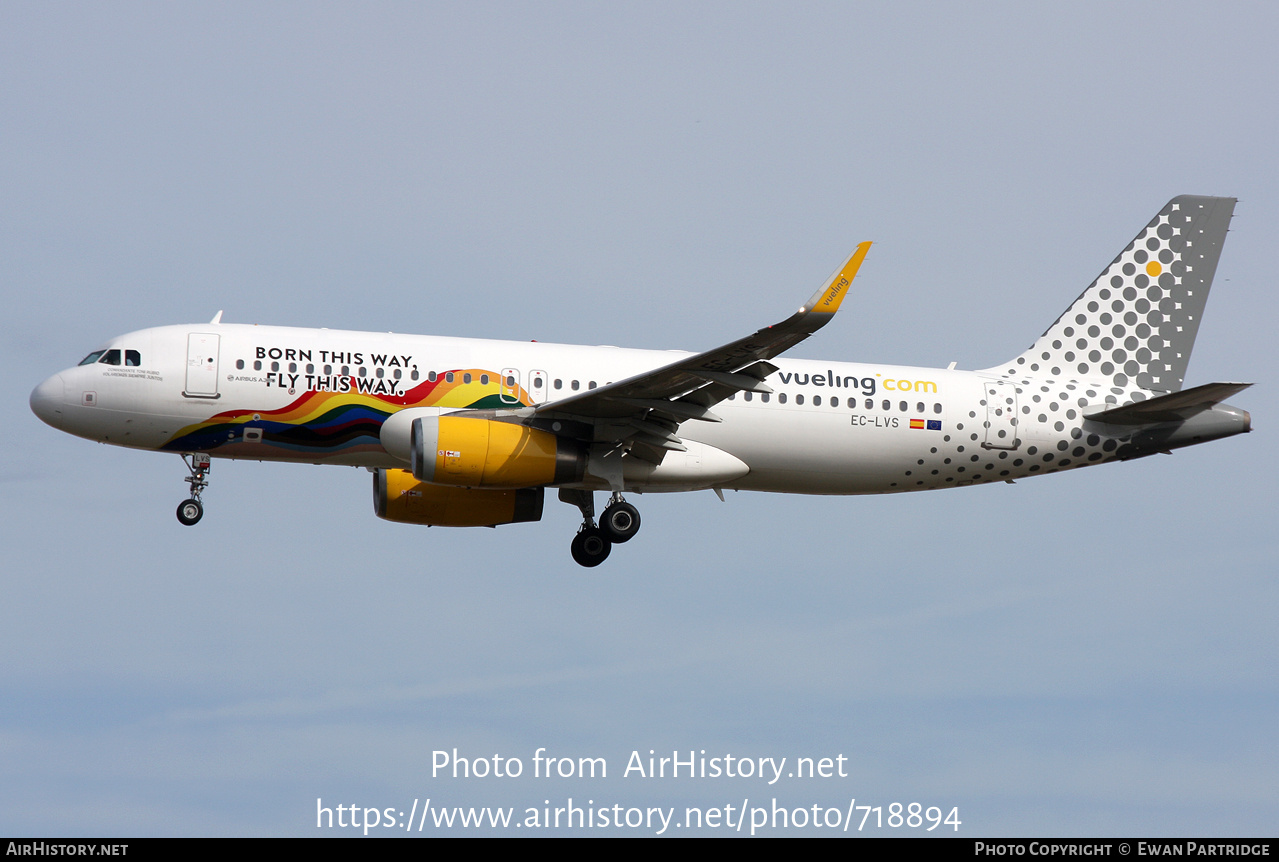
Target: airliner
[466, 432]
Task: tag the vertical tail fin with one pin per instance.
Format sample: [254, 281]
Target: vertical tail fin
[1136, 324]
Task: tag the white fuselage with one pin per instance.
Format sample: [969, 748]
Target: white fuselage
[320, 396]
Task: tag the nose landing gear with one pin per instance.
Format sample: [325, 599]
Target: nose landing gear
[191, 511]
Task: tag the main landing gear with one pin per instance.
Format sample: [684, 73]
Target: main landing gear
[589, 547]
[619, 523]
[191, 511]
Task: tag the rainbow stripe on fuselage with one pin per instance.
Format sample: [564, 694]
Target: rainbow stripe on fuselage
[320, 425]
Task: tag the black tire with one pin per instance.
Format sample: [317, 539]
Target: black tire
[620, 522]
[590, 547]
[190, 512]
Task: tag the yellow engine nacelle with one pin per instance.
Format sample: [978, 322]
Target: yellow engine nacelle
[482, 453]
[398, 496]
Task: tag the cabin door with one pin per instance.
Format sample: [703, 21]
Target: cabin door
[202, 365]
[1001, 415]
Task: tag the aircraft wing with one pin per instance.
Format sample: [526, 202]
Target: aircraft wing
[651, 405]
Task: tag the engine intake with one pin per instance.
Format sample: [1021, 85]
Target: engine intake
[482, 453]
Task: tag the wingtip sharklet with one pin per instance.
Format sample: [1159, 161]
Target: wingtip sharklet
[832, 293]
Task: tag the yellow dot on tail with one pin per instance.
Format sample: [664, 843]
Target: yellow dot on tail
[1153, 269]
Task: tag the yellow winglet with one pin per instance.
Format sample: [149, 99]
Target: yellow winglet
[827, 299]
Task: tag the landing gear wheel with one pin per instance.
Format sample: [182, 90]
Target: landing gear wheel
[190, 512]
[620, 521]
[590, 547]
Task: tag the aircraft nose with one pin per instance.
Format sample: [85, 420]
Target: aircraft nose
[47, 400]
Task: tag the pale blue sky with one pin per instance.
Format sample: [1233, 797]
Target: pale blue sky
[1087, 654]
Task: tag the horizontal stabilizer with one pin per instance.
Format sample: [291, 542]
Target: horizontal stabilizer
[1173, 407]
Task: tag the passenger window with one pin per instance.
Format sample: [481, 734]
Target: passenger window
[346, 371]
[591, 385]
[395, 373]
[764, 397]
[362, 371]
[870, 404]
[111, 357]
[381, 372]
[293, 367]
[310, 368]
[781, 398]
[919, 408]
[132, 358]
[275, 366]
[239, 363]
[430, 376]
[799, 399]
[903, 406]
[257, 366]
[92, 357]
[746, 396]
[817, 401]
[888, 405]
[559, 384]
[936, 408]
[575, 385]
[448, 377]
[328, 369]
[484, 380]
[466, 377]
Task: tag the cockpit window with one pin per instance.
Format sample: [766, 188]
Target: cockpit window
[132, 357]
[92, 357]
[111, 357]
